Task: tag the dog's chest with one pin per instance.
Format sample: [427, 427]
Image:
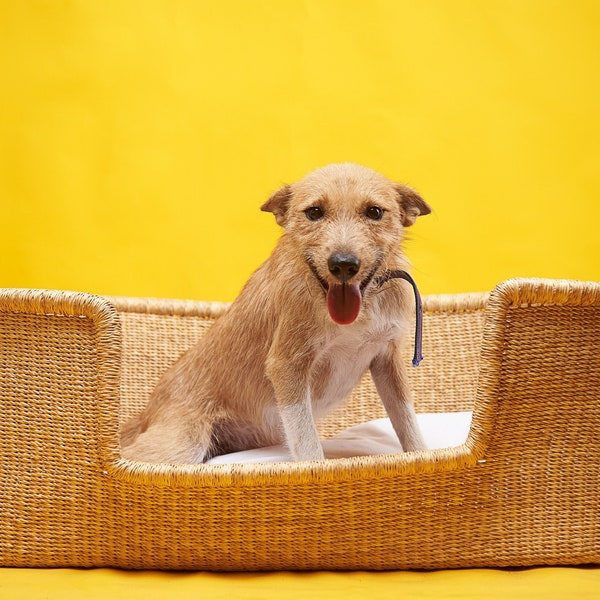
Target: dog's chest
[344, 358]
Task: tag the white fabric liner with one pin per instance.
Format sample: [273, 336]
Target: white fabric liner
[440, 430]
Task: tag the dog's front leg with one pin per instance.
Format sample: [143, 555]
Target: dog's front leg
[288, 369]
[300, 431]
[391, 381]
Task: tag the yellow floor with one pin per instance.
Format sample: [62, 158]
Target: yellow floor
[527, 584]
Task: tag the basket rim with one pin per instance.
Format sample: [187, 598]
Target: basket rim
[432, 303]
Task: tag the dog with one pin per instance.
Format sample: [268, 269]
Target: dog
[306, 326]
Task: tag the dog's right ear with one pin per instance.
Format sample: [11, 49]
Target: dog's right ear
[411, 204]
[278, 204]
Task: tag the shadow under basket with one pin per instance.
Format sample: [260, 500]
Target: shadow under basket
[523, 490]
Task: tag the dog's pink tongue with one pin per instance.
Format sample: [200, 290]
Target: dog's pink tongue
[343, 303]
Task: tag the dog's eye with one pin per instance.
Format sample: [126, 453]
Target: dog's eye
[314, 213]
[374, 213]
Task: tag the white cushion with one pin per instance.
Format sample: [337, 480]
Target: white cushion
[440, 430]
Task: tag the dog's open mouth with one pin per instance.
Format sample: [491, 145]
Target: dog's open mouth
[344, 300]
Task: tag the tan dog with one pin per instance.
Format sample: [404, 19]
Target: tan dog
[309, 322]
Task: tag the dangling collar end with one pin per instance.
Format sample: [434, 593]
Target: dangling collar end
[398, 274]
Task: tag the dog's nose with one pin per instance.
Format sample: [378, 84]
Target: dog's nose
[343, 266]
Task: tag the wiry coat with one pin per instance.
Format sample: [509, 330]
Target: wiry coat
[277, 360]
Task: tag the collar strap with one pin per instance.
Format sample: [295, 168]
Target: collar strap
[397, 274]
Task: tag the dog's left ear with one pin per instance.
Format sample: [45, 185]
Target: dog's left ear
[278, 204]
[411, 204]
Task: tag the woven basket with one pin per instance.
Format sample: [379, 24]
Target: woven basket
[523, 490]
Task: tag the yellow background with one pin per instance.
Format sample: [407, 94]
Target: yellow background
[473, 584]
[138, 138]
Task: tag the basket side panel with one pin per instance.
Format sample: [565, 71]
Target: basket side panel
[51, 455]
[538, 416]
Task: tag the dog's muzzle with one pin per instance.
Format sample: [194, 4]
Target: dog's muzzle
[344, 295]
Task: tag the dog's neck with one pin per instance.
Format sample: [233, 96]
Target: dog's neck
[398, 274]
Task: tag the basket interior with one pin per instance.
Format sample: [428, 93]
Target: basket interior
[444, 382]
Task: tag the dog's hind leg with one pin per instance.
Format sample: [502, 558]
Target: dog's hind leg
[164, 442]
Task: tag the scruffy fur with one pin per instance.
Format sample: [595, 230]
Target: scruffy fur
[276, 361]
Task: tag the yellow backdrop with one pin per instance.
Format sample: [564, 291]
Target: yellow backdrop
[138, 138]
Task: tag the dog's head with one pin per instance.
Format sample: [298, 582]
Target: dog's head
[347, 223]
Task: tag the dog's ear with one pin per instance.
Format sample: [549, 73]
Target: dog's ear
[411, 204]
[278, 204]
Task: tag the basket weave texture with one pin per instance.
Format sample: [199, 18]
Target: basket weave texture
[523, 490]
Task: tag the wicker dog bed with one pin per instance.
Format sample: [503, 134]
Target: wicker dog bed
[523, 490]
